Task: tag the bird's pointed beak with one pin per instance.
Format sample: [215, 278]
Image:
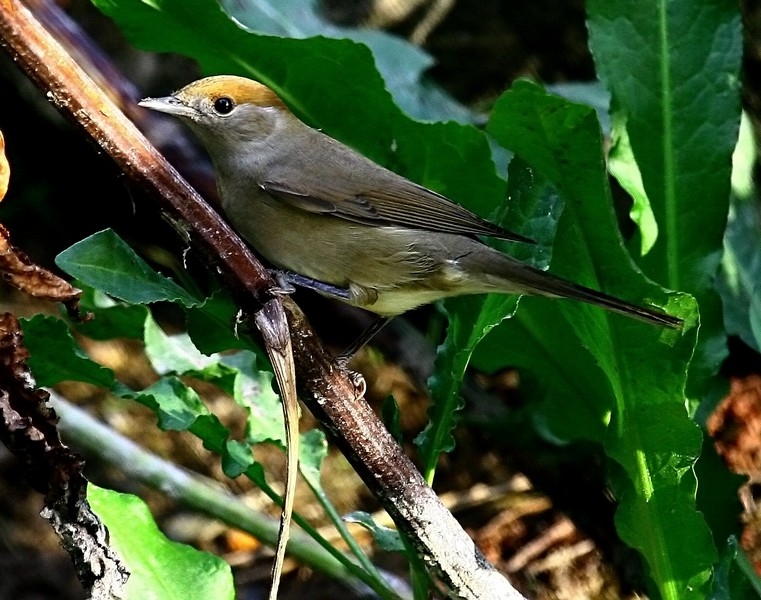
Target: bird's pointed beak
[170, 105]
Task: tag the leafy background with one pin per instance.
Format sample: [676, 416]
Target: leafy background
[604, 407]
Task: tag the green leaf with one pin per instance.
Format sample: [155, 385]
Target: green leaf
[253, 391]
[313, 450]
[159, 568]
[235, 373]
[744, 160]
[56, 357]
[105, 262]
[656, 511]
[386, 538]
[624, 168]
[111, 319]
[676, 80]
[172, 353]
[741, 273]
[735, 576]
[540, 338]
[214, 325]
[533, 203]
[610, 379]
[589, 93]
[176, 405]
[179, 408]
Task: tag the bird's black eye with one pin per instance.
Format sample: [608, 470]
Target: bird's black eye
[223, 105]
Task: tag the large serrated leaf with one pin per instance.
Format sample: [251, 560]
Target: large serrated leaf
[610, 379]
[677, 86]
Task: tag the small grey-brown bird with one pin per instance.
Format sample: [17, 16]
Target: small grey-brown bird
[345, 225]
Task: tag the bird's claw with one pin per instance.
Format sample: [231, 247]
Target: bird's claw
[359, 383]
[284, 286]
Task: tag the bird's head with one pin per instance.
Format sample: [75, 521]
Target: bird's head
[225, 111]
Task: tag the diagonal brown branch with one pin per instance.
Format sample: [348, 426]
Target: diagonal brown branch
[328, 390]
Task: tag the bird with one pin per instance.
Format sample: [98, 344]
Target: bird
[334, 220]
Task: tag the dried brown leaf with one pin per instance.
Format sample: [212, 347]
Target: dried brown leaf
[735, 426]
[5, 168]
[19, 270]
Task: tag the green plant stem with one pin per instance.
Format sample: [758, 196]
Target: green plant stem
[340, 526]
[421, 582]
[368, 575]
[747, 568]
[205, 495]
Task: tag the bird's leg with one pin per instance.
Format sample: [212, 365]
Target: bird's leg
[286, 281]
[363, 339]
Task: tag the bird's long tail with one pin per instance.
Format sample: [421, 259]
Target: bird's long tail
[510, 275]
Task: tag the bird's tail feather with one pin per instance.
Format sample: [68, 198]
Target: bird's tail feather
[514, 276]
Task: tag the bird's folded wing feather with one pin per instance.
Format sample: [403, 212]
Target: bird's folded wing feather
[404, 203]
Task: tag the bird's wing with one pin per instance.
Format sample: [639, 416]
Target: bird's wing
[385, 203]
